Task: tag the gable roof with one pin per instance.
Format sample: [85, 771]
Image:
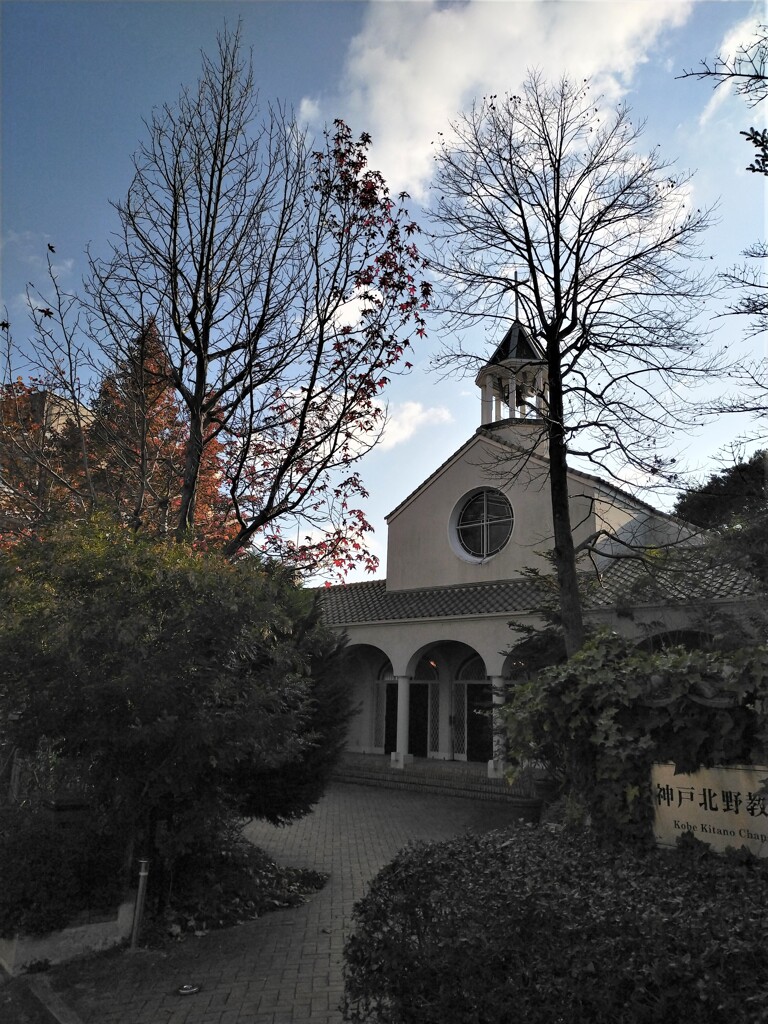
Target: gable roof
[517, 344]
[489, 432]
[434, 475]
[626, 580]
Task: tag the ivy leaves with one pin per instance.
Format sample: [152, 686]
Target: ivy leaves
[601, 719]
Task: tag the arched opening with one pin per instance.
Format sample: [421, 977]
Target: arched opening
[371, 672]
[450, 702]
[691, 639]
[477, 697]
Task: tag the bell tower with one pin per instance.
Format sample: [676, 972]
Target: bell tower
[513, 383]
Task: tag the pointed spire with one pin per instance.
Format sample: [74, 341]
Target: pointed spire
[513, 383]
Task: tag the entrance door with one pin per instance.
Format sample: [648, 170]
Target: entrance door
[418, 720]
[390, 718]
[479, 722]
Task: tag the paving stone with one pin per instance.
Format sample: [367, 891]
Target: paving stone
[286, 967]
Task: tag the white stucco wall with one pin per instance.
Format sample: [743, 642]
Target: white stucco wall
[420, 550]
[403, 642]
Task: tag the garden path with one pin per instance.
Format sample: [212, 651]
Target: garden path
[284, 968]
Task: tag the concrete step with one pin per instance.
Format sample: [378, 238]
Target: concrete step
[434, 778]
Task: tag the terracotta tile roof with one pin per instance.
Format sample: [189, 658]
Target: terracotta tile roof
[628, 580]
[624, 581]
[372, 602]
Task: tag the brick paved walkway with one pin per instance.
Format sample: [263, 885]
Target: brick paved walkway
[284, 968]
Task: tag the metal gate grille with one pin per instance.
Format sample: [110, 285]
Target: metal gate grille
[379, 713]
[434, 718]
[459, 719]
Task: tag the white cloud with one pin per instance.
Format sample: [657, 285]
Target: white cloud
[309, 111]
[30, 251]
[414, 66]
[350, 312]
[739, 36]
[404, 420]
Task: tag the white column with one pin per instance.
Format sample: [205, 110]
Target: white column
[540, 409]
[497, 765]
[400, 757]
[486, 404]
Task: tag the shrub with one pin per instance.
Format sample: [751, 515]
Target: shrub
[178, 682]
[228, 882]
[613, 709]
[51, 873]
[533, 926]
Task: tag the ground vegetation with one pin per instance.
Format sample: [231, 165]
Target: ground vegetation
[175, 684]
[535, 925]
[598, 722]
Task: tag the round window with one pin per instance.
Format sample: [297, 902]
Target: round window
[484, 523]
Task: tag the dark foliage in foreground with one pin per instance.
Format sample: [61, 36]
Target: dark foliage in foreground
[51, 874]
[535, 926]
[225, 884]
[183, 690]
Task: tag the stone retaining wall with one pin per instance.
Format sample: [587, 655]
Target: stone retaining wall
[18, 953]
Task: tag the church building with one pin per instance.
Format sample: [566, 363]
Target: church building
[431, 642]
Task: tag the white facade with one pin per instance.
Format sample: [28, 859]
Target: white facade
[431, 642]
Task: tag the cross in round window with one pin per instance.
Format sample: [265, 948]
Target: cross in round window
[485, 523]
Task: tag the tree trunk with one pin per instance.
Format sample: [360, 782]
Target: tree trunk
[565, 555]
[194, 455]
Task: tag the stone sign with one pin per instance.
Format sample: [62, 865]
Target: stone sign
[720, 806]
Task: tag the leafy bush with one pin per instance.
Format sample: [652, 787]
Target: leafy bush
[51, 873]
[602, 718]
[177, 680]
[286, 791]
[229, 882]
[533, 926]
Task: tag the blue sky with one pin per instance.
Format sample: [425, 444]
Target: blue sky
[77, 79]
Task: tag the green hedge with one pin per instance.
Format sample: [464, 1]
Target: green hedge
[535, 926]
[185, 687]
[50, 873]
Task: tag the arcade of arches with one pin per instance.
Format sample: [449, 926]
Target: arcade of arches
[428, 642]
[443, 707]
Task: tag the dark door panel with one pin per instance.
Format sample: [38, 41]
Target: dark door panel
[418, 720]
[479, 722]
[390, 719]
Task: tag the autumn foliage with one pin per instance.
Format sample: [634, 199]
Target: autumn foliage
[123, 453]
[259, 293]
[137, 442]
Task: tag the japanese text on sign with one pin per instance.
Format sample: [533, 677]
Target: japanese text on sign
[721, 806]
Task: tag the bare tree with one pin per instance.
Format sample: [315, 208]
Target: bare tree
[748, 282]
[745, 70]
[549, 184]
[282, 280]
